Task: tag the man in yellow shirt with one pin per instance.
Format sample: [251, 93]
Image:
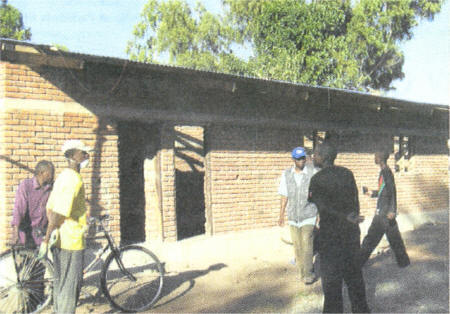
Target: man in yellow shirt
[66, 211]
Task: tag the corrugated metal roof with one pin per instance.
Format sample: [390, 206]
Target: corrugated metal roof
[51, 50]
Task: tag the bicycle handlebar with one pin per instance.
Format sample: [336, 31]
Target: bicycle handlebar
[99, 219]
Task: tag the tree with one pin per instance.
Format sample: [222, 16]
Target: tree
[11, 23]
[337, 43]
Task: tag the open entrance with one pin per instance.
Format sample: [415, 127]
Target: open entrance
[137, 142]
[190, 173]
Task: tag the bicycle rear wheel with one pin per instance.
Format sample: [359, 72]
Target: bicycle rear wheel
[132, 282]
[29, 290]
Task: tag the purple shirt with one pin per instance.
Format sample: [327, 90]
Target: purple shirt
[31, 198]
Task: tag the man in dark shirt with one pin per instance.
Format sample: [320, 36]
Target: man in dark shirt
[333, 190]
[384, 220]
[29, 213]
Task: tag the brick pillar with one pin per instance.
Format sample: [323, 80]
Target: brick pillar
[3, 165]
[152, 186]
[167, 170]
[5, 213]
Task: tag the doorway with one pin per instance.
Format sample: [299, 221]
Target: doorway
[137, 142]
[189, 178]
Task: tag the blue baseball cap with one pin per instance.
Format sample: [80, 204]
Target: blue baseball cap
[298, 152]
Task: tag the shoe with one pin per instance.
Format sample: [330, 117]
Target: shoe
[405, 264]
[308, 280]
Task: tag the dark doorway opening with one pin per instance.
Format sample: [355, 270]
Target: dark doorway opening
[190, 204]
[137, 141]
[190, 173]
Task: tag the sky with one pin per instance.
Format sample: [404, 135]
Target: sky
[103, 27]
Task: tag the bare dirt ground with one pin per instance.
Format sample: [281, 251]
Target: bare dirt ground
[250, 272]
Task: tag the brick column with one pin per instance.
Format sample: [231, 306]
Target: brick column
[153, 192]
[168, 196]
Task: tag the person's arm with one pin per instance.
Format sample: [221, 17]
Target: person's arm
[355, 193]
[282, 190]
[20, 208]
[317, 197]
[355, 217]
[391, 194]
[55, 221]
[283, 204]
[15, 235]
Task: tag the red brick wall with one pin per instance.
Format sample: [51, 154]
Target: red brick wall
[22, 82]
[244, 169]
[34, 128]
[242, 165]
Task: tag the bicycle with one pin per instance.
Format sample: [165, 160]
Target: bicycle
[26, 283]
[131, 277]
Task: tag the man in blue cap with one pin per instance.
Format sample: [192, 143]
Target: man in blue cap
[301, 214]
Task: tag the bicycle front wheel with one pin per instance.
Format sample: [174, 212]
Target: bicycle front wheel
[26, 283]
[132, 281]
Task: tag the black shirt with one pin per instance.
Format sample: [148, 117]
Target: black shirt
[333, 190]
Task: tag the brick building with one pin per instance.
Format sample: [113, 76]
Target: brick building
[180, 152]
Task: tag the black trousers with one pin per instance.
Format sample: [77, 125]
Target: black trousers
[381, 225]
[338, 266]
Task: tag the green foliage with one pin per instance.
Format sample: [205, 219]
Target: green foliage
[60, 47]
[11, 24]
[336, 43]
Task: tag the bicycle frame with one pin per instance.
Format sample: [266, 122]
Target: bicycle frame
[109, 245]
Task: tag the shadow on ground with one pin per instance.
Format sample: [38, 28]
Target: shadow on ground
[422, 287]
[174, 282]
[174, 287]
[269, 284]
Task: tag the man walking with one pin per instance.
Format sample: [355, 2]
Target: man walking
[384, 220]
[29, 214]
[301, 214]
[67, 216]
[333, 190]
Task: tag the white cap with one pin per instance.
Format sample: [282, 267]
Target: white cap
[75, 144]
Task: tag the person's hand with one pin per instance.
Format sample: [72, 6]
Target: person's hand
[390, 215]
[354, 218]
[281, 222]
[365, 191]
[54, 237]
[14, 239]
[43, 248]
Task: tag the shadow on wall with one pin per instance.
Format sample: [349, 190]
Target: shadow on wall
[189, 180]
[17, 164]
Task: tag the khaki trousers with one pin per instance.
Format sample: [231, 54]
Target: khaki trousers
[302, 239]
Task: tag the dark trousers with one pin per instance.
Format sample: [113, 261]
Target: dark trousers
[68, 267]
[341, 266]
[381, 225]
